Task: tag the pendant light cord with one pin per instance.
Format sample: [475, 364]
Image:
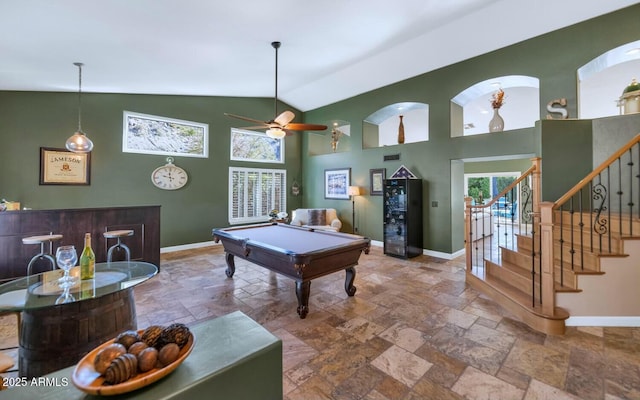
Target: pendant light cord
[79, 65]
[276, 45]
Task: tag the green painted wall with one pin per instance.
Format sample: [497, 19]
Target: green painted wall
[552, 58]
[30, 120]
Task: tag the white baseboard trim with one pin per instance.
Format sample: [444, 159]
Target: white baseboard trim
[446, 256]
[189, 246]
[432, 253]
[377, 243]
[627, 321]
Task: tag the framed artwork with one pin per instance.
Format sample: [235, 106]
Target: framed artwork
[336, 183]
[63, 167]
[376, 179]
[150, 134]
[256, 147]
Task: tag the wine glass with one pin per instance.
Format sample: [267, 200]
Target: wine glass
[66, 257]
[66, 296]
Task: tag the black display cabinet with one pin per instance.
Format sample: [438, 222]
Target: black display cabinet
[403, 217]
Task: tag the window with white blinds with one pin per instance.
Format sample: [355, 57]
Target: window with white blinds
[254, 192]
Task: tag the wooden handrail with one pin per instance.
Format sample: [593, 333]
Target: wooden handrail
[585, 181]
[508, 188]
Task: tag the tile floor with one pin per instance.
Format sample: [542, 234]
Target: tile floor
[413, 330]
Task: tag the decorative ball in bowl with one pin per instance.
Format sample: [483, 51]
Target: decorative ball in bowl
[133, 360]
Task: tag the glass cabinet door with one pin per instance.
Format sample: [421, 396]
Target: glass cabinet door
[395, 213]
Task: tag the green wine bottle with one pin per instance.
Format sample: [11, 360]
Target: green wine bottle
[87, 260]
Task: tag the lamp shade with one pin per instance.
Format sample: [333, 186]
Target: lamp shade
[79, 143]
[276, 133]
[354, 191]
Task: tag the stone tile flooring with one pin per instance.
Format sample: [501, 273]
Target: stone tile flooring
[414, 330]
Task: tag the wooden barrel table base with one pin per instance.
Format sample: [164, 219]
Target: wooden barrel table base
[53, 338]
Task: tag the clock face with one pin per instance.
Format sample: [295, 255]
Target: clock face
[169, 177]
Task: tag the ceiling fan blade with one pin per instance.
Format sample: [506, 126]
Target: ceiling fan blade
[246, 118]
[255, 127]
[305, 127]
[284, 118]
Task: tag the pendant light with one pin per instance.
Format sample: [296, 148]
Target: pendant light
[79, 142]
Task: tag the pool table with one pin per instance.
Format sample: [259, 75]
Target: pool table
[301, 254]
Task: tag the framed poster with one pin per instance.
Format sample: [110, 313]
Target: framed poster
[150, 134]
[63, 167]
[336, 183]
[376, 179]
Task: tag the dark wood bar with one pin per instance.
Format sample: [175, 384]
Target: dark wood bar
[73, 224]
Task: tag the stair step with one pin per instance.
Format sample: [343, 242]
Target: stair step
[517, 260]
[511, 274]
[608, 243]
[520, 304]
[630, 224]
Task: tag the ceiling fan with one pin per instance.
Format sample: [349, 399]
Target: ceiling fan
[281, 125]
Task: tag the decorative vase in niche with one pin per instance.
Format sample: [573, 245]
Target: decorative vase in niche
[497, 123]
[401, 132]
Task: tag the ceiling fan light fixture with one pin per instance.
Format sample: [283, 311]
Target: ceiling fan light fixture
[79, 142]
[276, 133]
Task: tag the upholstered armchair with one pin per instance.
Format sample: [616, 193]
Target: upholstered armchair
[316, 218]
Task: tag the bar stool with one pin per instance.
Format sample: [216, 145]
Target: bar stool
[41, 240]
[119, 245]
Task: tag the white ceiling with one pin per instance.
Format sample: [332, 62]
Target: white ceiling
[331, 49]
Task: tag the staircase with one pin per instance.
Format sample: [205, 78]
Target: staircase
[578, 257]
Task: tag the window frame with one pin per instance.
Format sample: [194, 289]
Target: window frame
[275, 192]
[258, 140]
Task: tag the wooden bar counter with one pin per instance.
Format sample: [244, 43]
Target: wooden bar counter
[233, 358]
[73, 224]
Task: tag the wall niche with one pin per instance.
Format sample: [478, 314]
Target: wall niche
[336, 139]
[602, 80]
[471, 109]
[382, 127]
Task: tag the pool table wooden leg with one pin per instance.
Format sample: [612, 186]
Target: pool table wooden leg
[302, 292]
[348, 281]
[231, 265]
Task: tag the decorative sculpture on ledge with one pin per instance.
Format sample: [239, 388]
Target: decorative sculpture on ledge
[560, 110]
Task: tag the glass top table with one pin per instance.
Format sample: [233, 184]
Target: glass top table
[55, 335]
[42, 290]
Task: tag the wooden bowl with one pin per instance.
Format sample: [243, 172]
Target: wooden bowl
[87, 379]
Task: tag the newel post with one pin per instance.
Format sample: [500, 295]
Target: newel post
[546, 258]
[536, 185]
[467, 231]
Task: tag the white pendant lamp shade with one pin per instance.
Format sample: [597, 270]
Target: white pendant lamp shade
[79, 142]
[276, 133]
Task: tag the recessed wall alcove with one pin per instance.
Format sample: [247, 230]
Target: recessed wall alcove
[602, 80]
[471, 109]
[381, 127]
[335, 139]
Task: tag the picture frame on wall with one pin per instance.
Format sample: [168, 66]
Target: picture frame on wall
[336, 183]
[152, 134]
[63, 167]
[376, 181]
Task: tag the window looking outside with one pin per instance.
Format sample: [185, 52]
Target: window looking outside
[254, 193]
[483, 187]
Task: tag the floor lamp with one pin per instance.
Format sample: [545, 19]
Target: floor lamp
[353, 192]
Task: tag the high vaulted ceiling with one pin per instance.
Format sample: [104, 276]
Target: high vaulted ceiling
[331, 49]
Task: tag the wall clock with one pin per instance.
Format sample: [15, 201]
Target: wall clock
[169, 176]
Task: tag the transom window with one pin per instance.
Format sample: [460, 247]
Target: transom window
[254, 193]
